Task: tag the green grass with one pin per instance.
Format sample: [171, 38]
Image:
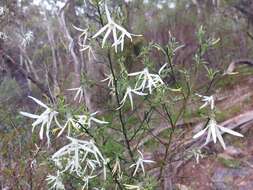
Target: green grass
[229, 163]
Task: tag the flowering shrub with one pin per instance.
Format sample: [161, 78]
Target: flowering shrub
[104, 152]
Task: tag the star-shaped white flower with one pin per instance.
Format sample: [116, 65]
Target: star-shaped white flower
[70, 123]
[82, 40]
[109, 78]
[93, 119]
[89, 50]
[215, 130]
[75, 154]
[87, 120]
[197, 154]
[128, 94]
[147, 80]
[45, 119]
[3, 36]
[28, 37]
[111, 26]
[79, 92]
[140, 163]
[209, 100]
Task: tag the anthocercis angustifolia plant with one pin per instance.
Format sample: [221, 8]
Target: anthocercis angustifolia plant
[99, 153]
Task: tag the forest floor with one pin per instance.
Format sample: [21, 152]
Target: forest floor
[230, 169]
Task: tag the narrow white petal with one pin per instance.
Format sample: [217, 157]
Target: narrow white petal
[108, 16]
[204, 105]
[213, 131]
[106, 36]
[78, 29]
[99, 121]
[200, 133]
[131, 100]
[73, 89]
[33, 116]
[114, 32]
[132, 165]
[148, 161]
[140, 153]
[39, 120]
[106, 79]
[77, 94]
[208, 136]
[122, 44]
[124, 98]
[135, 73]
[62, 130]
[139, 93]
[226, 130]
[142, 167]
[101, 31]
[221, 140]
[42, 130]
[161, 69]
[80, 97]
[135, 171]
[94, 113]
[38, 102]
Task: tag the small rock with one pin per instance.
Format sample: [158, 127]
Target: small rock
[181, 187]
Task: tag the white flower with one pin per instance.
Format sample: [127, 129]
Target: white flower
[1, 11]
[132, 187]
[111, 26]
[71, 122]
[82, 39]
[215, 130]
[79, 92]
[86, 120]
[128, 93]
[45, 119]
[83, 36]
[81, 119]
[209, 100]
[77, 120]
[140, 163]
[147, 80]
[28, 37]
[90, 51]
[93, 119]
[197, 154]
[3, 36]
[109, 78]
[55, 181]
[76, 154]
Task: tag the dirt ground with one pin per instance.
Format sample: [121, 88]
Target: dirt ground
[230, 169]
